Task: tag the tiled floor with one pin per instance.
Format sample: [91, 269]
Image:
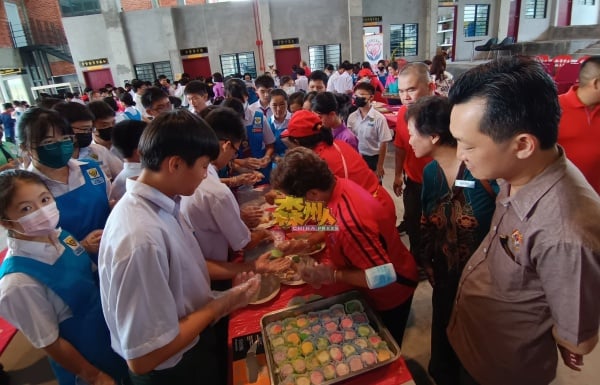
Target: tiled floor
[28, 366]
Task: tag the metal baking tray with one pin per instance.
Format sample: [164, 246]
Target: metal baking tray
[294, 311]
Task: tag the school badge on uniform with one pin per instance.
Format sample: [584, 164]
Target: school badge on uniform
[517, 239]
[73, 245]
[95, 177]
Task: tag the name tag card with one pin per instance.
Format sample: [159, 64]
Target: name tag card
[465, 183]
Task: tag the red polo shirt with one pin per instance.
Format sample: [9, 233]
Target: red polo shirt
[367, 237]
[356, 170]
[579, 135]
[413, 166]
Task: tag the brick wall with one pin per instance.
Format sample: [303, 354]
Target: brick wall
[62, 68]
[5, 40]
[195, 2]
[135, 5]
[167, 3]
[45, 22]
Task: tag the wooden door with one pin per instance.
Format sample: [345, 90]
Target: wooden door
[98, 79]
[197, 67]
[514, 15]
[286, 58]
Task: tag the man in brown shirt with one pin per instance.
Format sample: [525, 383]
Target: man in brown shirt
[533, 283]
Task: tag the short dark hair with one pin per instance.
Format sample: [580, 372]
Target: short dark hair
[520, 98]
[279, 92]
[196, 87]
[217, 77]
[127, 99]
[34, 124]
[324, 103]
[227, 124]
[101, 109]
[235, 88]
[431, 115]
[300, 71]
[296, 98]
[301, 170]
[235, 104]
[126, 136]
[136, 84]
[6, 106]
[323, 136]
[151, 95]
[8, 186]
[264, 81]
[329, 67]
[177, 133]
[365, 87]
[318, 75]
[74, 112]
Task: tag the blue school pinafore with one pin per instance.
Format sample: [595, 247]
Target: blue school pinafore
[72, 279]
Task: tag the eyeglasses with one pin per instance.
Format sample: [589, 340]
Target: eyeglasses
[54, 141]
[236, 149]
[83, 130]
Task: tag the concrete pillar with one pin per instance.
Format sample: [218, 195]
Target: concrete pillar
[503, 18]
[264, 10]
[119, 56]
[355, 32]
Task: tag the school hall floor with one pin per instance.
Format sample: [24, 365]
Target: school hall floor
[28, 366]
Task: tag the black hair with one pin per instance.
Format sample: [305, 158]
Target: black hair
[207, 110]
[264, 81]
[279, 92]
[8, 186]
[394, 65]
[329, 67]
[177, 133]
[324, 103]
[302, 170]
[227, 124]
[284, 79]
[296, 98]
[311, 141]
[48, 102]
[34, 124]
[127, 99]
[175, 101]
[217, 77]
[365, 87]
[68, 95]
[431, 116]
[300, 71]
[366, 65]
[520, 97]
[235, 104]
[381, 62]
[151, 95]
[101, 109]
[235, 88]
[308, 97]
[136, 84]
[126, 136]
[196, 87]
[160, 77]
[318, 75]
[74, 112]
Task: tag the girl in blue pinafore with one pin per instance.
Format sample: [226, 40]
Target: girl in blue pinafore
[80, 187]
[48, 288]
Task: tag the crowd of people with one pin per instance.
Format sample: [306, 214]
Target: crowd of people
[122, 215]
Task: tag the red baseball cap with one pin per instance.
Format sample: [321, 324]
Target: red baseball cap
[303, 123]
[365, 72]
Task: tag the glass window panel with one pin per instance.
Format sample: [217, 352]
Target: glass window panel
[404, 39]
[476, 20]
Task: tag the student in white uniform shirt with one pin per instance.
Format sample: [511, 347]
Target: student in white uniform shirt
[371, 128]
[154, 280]
[196, 93]
[104, 122]
[138, 87]
[126, 137]
[264, 85]
[81, 120]
[213, 210]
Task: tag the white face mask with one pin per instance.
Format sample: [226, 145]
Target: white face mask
[40, 222]
[289, 90]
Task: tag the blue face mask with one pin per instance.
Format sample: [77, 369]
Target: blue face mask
[55, 155]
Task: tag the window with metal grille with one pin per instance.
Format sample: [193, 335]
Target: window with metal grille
[238, 63]
[404, 39]
[476, 20]
[587, 2]
[150, 71]
[79, 7]
[535, 9]
[319, 55]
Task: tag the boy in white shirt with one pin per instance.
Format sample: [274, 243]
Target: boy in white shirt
[125, 139]
[371, 128]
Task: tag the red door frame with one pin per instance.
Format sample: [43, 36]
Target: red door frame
[514, 17]
[564, 9]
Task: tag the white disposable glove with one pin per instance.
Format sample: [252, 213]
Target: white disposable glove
[318, 274]
[238, 296]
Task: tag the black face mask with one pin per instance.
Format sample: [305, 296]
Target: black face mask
[83, 140]
[360, 102]
[105, 133]
[381, 68]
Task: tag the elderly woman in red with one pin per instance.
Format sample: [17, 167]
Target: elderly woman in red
[365, 238]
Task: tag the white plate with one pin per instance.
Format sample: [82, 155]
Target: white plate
[269, 287]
